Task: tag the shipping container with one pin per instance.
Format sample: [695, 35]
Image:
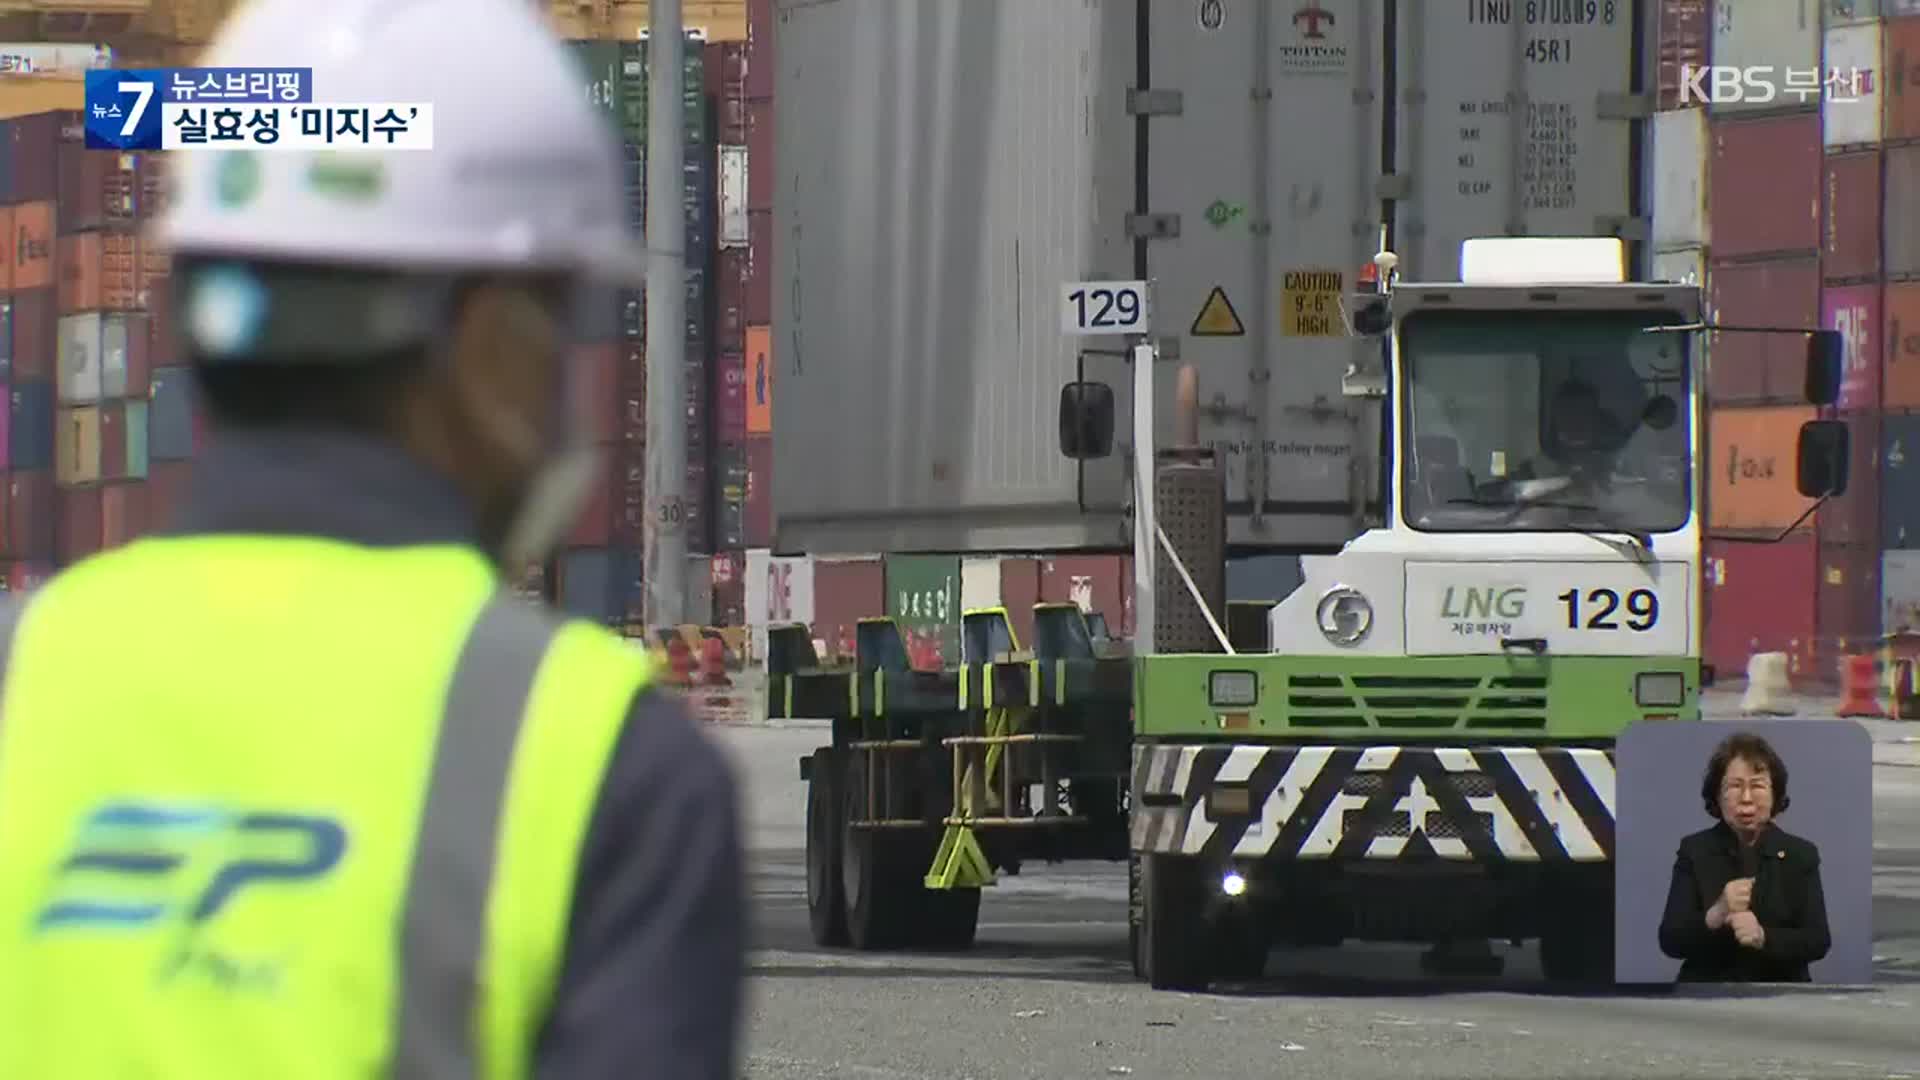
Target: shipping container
[761, 268]
[1019, 592]
[1851, 107]
[97, 356]
[1680, 179]
[1750, 367]
[759, 376]
[6, 332]
[76, 448]
[923, 598]
[1900, 481]
[1687, 266]
[1900, 592]
[731, 269]
[99, 271]
[1854, 310]
[1845, 11]
[758, 511]
[696, 592]
[846, 590]
[6, 264]
[729, 586]
[1900, 207]
[168, 483]
[1091, 582]
[136, 463]
[33, 173]
[760, 156]
[593, 526]
[1764, 185]
[1684, 34]
[601, 584]
[24, 577]
[1900, 384]
[730, 399]
[155, 266]
[170, 417]
[161, 347]
[595, 383]
[1750, 468]
[1776, 35]
[1847, 616]
[82, 525]
[32, 509]
[32, 249]
[36, 322]
[113, 440]
[731, 213]
[6, 431]
[979, 583]
[98, 188]
[1258, 577]
[1850, 241]
[699, 506]
[775, 591]
[1900, 110]
[153, 187]
[123, 513]
[1854, 517]
[30, 425]
[1761, 599]
[760, 48]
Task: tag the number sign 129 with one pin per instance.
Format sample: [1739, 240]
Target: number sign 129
[1105, 307]
[1603, 606]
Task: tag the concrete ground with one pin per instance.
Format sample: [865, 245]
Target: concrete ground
[1047, 992]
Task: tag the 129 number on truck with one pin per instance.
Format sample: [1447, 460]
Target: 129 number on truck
[1105, 307]
[1643, 609]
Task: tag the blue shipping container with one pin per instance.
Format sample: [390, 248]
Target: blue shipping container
[1900, 482]
[1262, 577]
[30, 426]
[602, 584]
[170, 416]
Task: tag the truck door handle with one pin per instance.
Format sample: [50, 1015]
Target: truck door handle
[1535, 645]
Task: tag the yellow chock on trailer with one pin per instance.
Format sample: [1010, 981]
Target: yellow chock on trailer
[959, 864]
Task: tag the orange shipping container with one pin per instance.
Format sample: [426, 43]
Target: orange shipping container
[99, 271]
[1750, 468]
[1900, 386]
[759, 380]
[1901, 112]
[31, 248]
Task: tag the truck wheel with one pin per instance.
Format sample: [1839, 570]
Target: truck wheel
[826, 899]
[1173, 926]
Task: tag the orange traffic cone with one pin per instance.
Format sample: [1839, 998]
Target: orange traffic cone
[679, 662]
[1860, 688]
[713, 663]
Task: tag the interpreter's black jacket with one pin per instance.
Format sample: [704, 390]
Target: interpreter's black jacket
[1788, 900]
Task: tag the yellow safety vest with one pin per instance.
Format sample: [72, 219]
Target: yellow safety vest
[291, 808]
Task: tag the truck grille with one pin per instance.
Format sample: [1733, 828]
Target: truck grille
[1416, 703]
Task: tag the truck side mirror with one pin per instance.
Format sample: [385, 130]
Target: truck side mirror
[1826, 358]
[1086, 420]
[1820, 468]
[1372, 315]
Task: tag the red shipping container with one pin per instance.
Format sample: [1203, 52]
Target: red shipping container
[123, 513]
[1685, 36]
[1745, 367]
[730, 399]
[167, 483]
[1761, 598]
[162, 350]
[1850, 242]
[31, 511]
[844, 592]
[1777, 216]
[153, 185]
[595, 384]
[760, 268]
[730, 121]
[760, 182]
[99, 271]
[82, 525]
[730, 74]
[1855, 311]
[1900, 383]
[1090, 581]
[26, 576]
[113, 440]
[594, 527]
[35, 315]
[1901, 92]
[34, 174]
[759, 508]
[760, 42]
[1019, 591]
[733, 267]
[1847, 606]
[629, 501]
[98, 188]
[32, 246]
[139, 356]
[1854, 518]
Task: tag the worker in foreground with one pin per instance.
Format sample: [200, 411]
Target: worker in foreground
[294, 790]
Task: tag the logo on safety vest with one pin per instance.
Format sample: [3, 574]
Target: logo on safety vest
[139, 866]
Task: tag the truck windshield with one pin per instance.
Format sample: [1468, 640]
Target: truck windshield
[1562, 421]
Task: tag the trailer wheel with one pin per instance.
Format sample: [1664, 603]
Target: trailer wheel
[826, 898]
[1173, 926]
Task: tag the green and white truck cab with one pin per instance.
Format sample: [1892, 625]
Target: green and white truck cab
[1424, 751]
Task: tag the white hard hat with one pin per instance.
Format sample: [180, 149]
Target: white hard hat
[523, 175]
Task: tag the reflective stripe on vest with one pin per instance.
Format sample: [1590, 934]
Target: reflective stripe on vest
[530, 716]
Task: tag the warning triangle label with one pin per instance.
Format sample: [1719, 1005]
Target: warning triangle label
[1217, 317]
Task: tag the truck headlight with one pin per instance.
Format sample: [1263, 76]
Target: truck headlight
[1232, 689]
[1660, 689]
[1345, 616]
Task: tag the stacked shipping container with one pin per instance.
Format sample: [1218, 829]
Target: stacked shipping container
[1895, 226]
[757, 354]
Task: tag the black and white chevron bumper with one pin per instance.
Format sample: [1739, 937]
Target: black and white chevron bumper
[1481, 804]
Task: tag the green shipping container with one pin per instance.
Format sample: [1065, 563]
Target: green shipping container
[633, 97]
[923, 597]
[136, 440]
[600, 75]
